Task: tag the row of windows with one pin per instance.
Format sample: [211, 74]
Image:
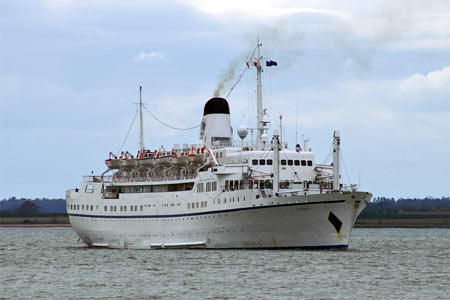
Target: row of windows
[112, 208]
[178, 187]
[197, 204]
[233, 185]
[160, 220]
[283, 162]
[205, 203]
[232, 199]
[77, 207]
[210, 187]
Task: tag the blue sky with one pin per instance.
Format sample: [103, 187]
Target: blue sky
[70, 72]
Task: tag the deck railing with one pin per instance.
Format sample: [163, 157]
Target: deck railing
[123, 179]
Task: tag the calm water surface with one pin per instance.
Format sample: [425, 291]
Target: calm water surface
[49, 263]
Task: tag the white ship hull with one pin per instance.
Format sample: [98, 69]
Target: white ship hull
[283, 222]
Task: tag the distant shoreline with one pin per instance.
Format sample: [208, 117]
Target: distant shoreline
[33, 225]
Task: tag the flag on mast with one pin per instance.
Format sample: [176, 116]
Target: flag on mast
[270, 63]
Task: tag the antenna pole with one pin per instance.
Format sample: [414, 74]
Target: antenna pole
[141, 123]
[336, 162]
[296, 124]
[276, 163]
[281, 131]
[259, 110]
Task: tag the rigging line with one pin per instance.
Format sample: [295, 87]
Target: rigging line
[149, 131]
[247, 109]
[253, 53]
[343, 163]
[170, 126]
[328, 155]
[239, 79]
[126, 137]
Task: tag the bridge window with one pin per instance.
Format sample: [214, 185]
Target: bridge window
[89, 188]
[297, 162]
[214, 186]
[310, 163]
[290, 162]
[269, 162]
[303, 162]
[262, 162]
[255, 162]
[283, 162]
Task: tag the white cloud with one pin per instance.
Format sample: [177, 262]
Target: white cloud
[400, 24]
[399, 110]
[433, 81]
[150, 57]
[259, 8]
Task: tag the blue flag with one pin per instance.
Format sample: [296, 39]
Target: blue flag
[270, 63]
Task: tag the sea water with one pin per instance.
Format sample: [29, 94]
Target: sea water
[50, 263]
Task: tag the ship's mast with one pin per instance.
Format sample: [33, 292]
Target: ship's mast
[336, 163]
[259, 110]
[141, 123]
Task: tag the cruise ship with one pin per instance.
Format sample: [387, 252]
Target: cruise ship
[217, 195]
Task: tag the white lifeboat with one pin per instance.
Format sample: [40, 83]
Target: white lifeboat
[197, 156]
[113, 162]
[163, 159]
[128, 161]
[146, 158]
[179, 159]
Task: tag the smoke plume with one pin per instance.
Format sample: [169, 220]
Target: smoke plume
[227, 76]
[283, 43]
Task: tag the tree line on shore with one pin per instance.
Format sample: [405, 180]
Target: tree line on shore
[378, 206]
[24, 207]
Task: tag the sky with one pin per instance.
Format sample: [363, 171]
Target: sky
[378, 71]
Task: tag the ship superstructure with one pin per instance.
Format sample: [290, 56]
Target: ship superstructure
[216, 195]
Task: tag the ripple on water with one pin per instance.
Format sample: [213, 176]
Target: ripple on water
[42, 263]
